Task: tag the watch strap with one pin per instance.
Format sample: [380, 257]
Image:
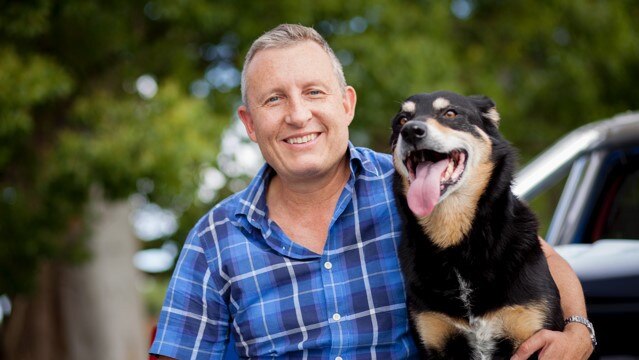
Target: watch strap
[582, 320]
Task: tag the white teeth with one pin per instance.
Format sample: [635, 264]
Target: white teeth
[302, 140]
[460, 168]
[449, 171]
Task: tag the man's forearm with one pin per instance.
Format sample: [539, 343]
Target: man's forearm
[570, 290]
[574, 341]
[572, 295]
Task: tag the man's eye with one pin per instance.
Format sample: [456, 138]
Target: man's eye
[272, 99]
[314, 92]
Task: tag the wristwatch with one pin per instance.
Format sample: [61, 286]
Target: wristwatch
[588, 324]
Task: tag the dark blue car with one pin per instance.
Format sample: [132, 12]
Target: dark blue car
[595, 225]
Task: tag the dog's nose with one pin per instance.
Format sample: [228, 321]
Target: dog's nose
[413, 131]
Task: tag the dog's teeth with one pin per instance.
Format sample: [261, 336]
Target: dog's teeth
[449, 169]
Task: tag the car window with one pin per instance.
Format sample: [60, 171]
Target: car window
[545, 204]
[622, 220]
[617, 211]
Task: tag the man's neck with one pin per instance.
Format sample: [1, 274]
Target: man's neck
[308, 193]
[304, 210]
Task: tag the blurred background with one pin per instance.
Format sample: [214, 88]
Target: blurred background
[117, 128]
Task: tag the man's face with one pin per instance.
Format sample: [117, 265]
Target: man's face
[296, 112]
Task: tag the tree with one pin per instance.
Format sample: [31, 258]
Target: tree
[73, 118]
[132, 96]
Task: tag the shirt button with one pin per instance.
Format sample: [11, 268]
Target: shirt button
[336, 317]
[338, 358]
[328, 265]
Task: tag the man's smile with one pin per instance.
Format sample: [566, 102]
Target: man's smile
[301, 139]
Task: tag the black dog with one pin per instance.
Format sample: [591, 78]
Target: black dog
[477, 280]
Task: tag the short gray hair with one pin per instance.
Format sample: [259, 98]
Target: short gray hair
[285, 35]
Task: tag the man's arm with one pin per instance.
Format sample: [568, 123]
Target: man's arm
[574, 342]
[194, 317]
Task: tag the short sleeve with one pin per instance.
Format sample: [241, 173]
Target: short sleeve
[194, 321]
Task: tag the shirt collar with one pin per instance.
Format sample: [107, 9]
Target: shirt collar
[252, 205]
[359, 163]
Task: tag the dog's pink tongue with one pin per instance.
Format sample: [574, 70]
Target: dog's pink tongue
[424, 192]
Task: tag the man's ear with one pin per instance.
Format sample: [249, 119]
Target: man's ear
[349, 102]
[247, 120]
[487, 108]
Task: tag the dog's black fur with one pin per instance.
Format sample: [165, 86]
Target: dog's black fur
[495, 265]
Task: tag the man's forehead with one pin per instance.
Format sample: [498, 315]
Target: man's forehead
[301, 62]
[283, 55]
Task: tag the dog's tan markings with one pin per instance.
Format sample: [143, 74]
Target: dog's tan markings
[444, 129]
[408, 107]
[440, 103]
[493, 116]
[519, 322]
[452, 218]
[398, 162]
[436, 328]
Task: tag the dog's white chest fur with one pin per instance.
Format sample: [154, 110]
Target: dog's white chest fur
[481, 332]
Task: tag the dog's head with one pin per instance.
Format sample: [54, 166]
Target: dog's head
[441, 146]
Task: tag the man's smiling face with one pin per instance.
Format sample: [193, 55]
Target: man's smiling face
[296, 111]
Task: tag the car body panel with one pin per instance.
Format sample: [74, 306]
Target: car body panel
[600, 197]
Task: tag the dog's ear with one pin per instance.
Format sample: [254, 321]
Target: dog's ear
[487, 108]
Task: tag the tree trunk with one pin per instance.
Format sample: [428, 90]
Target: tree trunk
[35, 329]
[89, 311]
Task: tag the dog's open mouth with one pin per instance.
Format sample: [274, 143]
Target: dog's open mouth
[430, 175]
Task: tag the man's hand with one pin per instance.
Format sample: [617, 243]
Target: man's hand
[573, 343]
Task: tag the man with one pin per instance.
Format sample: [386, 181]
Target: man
[303, 262]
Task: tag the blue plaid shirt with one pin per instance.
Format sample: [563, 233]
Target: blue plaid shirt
[239, 274]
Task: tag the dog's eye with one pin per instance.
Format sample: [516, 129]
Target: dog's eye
[450, 114]
[402, 120]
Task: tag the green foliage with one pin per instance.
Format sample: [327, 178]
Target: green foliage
[549, 66]
[21, 88]
[71, 118]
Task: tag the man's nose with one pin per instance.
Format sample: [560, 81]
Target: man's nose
[298, 112]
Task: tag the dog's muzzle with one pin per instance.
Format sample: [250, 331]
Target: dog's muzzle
[430, 172]
[413, 132]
